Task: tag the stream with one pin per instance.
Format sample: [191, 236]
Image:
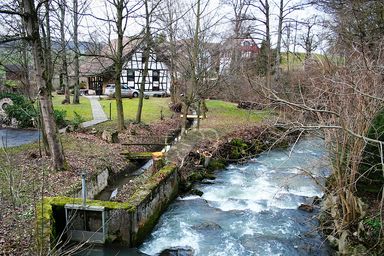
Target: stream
[251, 209]
[12, 137]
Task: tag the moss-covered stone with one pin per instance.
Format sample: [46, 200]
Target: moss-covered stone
[45, 228]
[216, 164]
[62, 201]
[146, 227]
[197, 192]
[196, 176]
[153, 182]
[45, 210]
[210, 175]
[137, 155]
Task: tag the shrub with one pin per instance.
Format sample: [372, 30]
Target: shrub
[77, 120]
[22, 109]
[176, 107]
[60, 118]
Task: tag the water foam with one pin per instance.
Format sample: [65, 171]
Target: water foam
[167, 237]
[255, 206]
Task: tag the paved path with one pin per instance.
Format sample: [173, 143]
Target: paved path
[98, 113]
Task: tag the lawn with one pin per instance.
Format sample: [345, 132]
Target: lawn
[225, 117]
[222, 116]
[151, 110]
[83, 109]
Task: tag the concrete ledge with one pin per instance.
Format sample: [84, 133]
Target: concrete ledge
[128, 223]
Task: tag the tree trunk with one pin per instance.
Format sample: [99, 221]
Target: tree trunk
[268, 44]
[198, 114]
[146, 53]
[76, 89]
[184, 119]
[195, 57]
[25, 64]
[279, 36]
[44, 84]
[64, 66]
[171, 28]
[119, 65]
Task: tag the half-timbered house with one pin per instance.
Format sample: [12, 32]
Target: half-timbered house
[158, 78]
[98, 71]
[238, 50]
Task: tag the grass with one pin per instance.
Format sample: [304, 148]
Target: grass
[296, 60]
[225, 117]
[151, 109]
[83, 109]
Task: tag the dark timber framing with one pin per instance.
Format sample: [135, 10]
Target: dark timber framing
[158, 74]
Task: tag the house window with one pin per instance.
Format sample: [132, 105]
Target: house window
[130, 75]
[94, 82]
[143, 59]
[155, 75]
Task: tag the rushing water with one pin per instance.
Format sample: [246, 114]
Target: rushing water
[250, 209]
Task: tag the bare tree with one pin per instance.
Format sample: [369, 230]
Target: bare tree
[148, 44]
[191, 90]
[44, 81]
[76, 91]
[264, 8]
[170, 14]
[64, 81]
[198, 60]
[240, 10]
[285, 8]
[119, 22]
[308, 39]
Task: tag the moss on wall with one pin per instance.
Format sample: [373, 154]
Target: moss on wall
[146, 227]
[45, 224]
[152, 184]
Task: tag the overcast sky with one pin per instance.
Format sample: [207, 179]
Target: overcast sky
[218, 13]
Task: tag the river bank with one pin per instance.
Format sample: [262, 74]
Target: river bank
[234, 147]
[282, 196]
[27, 176]
[250, 208]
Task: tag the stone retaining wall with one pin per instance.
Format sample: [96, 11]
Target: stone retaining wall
[127, 223]
[96, 184]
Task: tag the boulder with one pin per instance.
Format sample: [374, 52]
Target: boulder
[178, 251]
[69, 128]
[197, 192]
[14, 123]
[207, 226]
[4, 103]
[110, 136]
[306, 207]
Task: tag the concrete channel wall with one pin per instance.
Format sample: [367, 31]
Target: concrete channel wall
[125, 223]
[96, 184]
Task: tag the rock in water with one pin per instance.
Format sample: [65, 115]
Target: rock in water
[306, 207]
[196, 192]
[178, 251]
[207, 226]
